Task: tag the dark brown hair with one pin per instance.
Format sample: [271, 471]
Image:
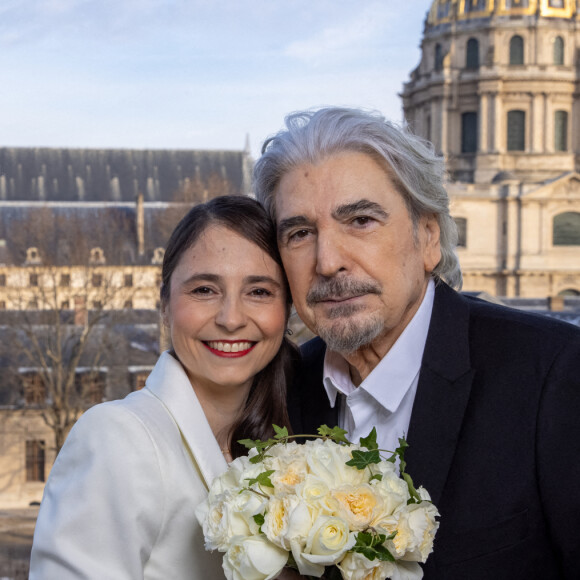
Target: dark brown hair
[266, 402]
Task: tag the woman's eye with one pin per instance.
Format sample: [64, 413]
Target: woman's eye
[202, 290]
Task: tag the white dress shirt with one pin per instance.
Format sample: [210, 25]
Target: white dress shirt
[385, 398]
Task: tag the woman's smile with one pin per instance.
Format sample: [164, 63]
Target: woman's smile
[230, 348]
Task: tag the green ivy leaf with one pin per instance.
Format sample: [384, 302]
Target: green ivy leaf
[281, 432]
[335, 433]
[361, 459]
[249, 443]
[371, 545]
[259, 519]
[370, 441]
[262, 479]
[377, 476]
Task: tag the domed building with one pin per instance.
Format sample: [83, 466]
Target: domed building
[497, 92]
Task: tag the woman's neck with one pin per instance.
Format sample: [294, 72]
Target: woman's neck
[222, 408]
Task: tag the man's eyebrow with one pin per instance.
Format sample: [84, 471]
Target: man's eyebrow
[362, 205]
[291, 222]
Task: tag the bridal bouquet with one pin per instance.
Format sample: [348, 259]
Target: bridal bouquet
[323, 506]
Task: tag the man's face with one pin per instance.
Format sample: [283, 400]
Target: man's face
[358, 268]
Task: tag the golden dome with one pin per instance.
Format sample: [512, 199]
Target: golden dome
[446, 10]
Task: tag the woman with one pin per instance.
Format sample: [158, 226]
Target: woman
[120, 499]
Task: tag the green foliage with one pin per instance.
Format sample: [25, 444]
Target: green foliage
[263, 479]
[361, 459]
[335, 433]
[371, 545]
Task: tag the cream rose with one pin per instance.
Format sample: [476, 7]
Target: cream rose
[357, 567]
[357, 505]
[415, 525]
[288, 518]
[253, 558]
[327, 461]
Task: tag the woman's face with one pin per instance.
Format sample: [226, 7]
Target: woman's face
[226, 310]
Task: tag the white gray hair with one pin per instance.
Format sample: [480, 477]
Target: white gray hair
[412, 164]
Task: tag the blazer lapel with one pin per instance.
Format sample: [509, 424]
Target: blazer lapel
[169, 383]
[442, 393]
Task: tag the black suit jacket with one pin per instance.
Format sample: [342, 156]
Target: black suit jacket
[494, 437]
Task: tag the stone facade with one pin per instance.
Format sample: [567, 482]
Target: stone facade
[82, 238]
[496, 92]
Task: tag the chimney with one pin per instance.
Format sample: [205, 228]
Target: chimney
[140, 225]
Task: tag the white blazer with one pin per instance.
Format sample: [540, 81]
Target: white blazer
[120, 500]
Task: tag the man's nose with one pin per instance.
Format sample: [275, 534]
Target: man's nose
[231, 315]
[331, 254]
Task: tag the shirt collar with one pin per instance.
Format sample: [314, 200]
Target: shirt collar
[398, 368]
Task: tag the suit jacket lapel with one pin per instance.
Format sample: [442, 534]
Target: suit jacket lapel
[442, 393]
[169, 383]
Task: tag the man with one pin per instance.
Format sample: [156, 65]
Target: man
[488, 397]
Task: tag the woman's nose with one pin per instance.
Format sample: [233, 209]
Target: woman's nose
[231, 315]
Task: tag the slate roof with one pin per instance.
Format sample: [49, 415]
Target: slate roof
[45, 174]
[66, 202]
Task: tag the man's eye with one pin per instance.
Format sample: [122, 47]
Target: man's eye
[362, 220]
[203, 290]
[298, 235]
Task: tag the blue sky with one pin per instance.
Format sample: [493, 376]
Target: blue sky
[194, 74]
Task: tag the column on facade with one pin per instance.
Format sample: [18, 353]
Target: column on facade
[498, 145]
[444, 127]
[548, 124]
[536, 124]
[483, 123]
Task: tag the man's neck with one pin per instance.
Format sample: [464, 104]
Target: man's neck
[364, 360]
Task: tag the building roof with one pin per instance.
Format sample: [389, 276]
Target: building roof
[51, 175]
[68, 202]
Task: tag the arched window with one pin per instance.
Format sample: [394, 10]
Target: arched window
[569, 292]
[472, 54]
[566, 229]
[516, 131]
[561, 131]
[475, 5]
[438, 57]
[461, 224]
[516, 50]
[558, 50]
[468, 132]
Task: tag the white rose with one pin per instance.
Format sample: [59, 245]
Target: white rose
[416, 526]
[394, 492]
[230, 514]
[357, 567]
[253, 558]
[234, 476]
[327, 461]
[288, 518]
[328, 541]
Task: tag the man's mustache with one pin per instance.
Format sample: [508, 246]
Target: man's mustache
[340, 289]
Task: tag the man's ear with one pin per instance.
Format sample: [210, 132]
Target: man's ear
[432, 242]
